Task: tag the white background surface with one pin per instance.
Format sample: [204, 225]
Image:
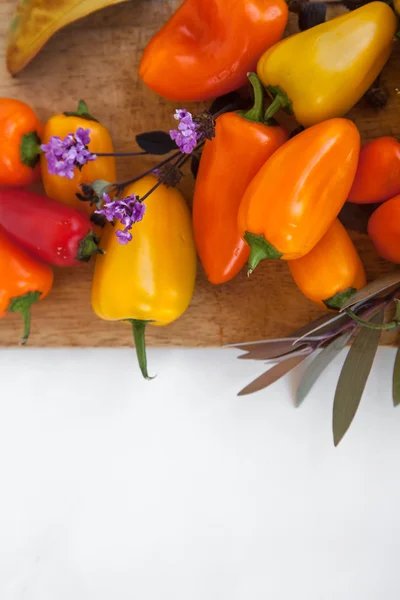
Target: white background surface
[113, 488]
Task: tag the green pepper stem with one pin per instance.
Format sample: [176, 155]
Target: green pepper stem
[138, 328]
[256, 112]
[22, 304]
[394, 324]
[280, 100]
[29, 149]
[82, 111]
[336, 302]
[259, 250]
[88, 246]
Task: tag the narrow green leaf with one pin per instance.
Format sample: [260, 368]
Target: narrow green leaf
[396, 379]
[353, 377]
[318, 365]
[373, 289]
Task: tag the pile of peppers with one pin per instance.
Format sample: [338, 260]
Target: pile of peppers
[261, 192]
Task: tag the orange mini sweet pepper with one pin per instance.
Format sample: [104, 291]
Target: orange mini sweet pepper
[66, 190]
[332, 272]
[295, 197]
[20, 136]
[23, 281]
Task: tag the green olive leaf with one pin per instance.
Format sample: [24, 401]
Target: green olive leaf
[273, 374]
[373, 289]
[274, 351]
[354, 376]
[396, 379]
[319, 364]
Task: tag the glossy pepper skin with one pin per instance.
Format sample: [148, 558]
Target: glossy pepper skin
[384, 229]
[20, 134]
[322, 72]
[207, 47]
[295, 197]
[242, 144]
[51, 231]
[23, 281]
[332, 271]
[63, 189]
[378, 173]
[151, 279]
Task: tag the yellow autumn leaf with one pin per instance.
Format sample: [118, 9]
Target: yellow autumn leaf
[35, 21]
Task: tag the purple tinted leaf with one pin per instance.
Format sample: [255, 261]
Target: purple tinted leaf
[272, 375]
[284, 343]
[273, 351]
[324, 326]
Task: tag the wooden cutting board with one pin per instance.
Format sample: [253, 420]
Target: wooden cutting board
[97, 59]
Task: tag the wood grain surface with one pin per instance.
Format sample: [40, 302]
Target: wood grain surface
[97, 59]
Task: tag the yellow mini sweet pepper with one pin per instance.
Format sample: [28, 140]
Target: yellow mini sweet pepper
[61, 188]
[150, 279]
[321, 73]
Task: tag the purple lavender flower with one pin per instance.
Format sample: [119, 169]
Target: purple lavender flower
[124, 236]
[187, 135]
[64, 155]
[127, 211]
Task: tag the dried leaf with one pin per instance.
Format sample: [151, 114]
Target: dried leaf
[319, 364]
[272, 375]
[195, 164]
[356, 216]
[396, 379]
[312, 14]
[155, 142]
[232, 99]
[35, 21]
[377, 96]
[353, 377]
[373, 289]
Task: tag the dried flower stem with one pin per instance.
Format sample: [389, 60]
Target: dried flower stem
[118, 154]
[119, 186]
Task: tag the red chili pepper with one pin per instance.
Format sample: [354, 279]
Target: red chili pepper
[54, 232]
[208, 46]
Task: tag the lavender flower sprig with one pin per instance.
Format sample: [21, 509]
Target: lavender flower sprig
[188, 133]
[64, 155]
[127, 211]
